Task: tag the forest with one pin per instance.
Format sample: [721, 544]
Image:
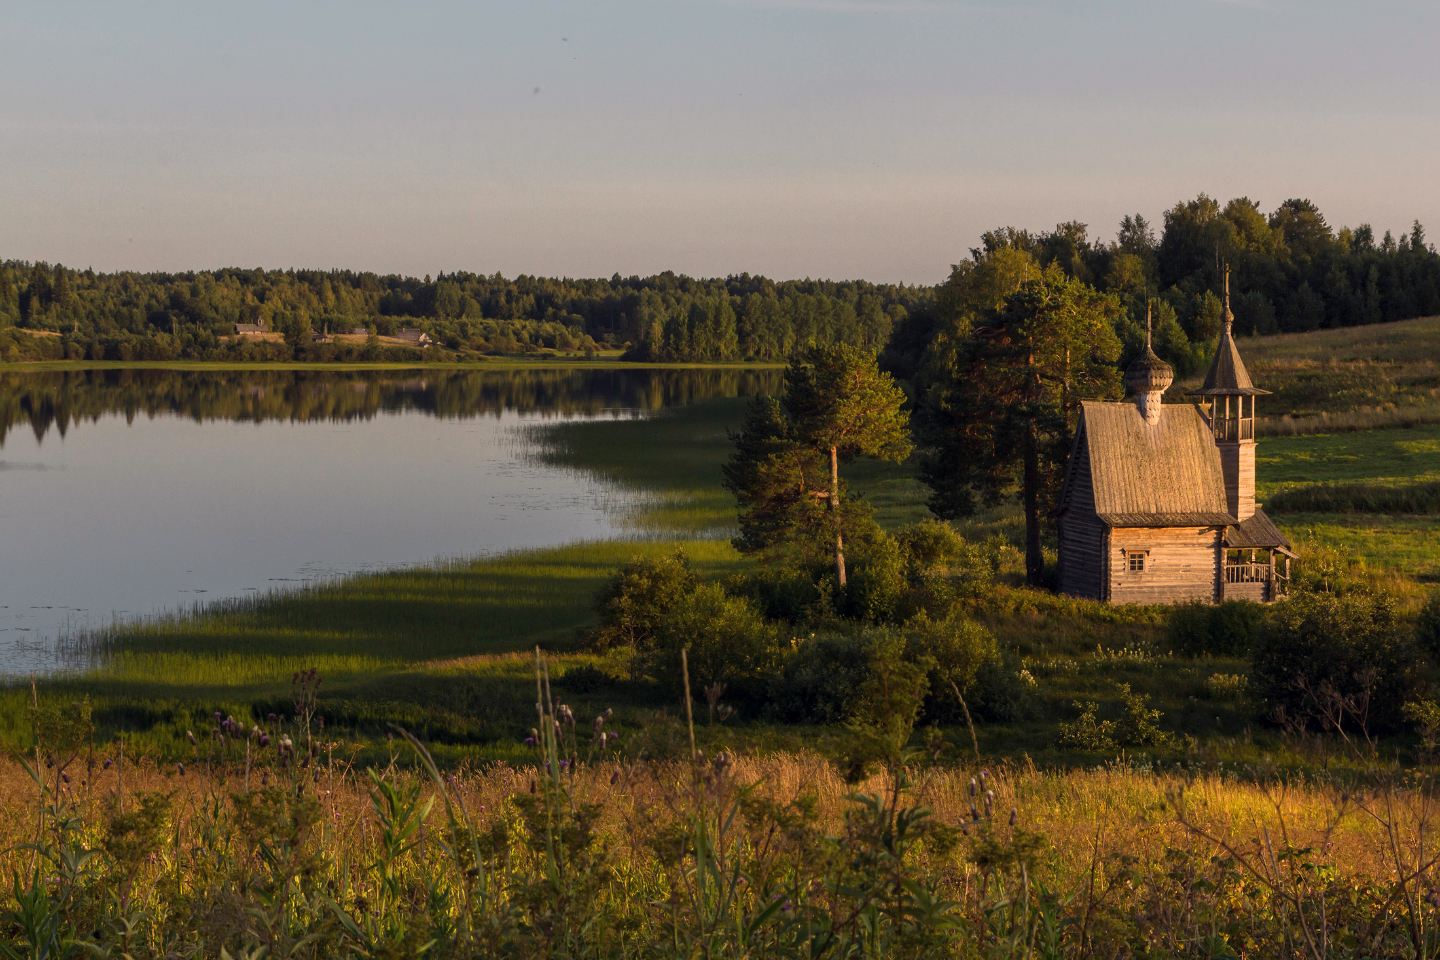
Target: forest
[1290, 269]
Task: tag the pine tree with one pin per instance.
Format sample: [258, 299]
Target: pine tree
[1004, 400]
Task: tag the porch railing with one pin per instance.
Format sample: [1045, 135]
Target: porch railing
[1247, 573]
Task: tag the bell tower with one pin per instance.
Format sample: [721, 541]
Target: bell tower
[1227, 399]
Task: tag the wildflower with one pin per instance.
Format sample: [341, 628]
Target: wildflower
[614, 736]
[1012, 816]
[529, 741]
[264, 739]
[191, 735]
[65, 777]
[108, 761]
[271, 717]
[218, 716]
[181, 767]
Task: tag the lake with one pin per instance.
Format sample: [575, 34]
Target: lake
[127, 493]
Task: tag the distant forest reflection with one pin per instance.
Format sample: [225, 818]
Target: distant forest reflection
[60, 399]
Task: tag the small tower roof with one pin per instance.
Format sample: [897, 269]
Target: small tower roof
[1227, 376]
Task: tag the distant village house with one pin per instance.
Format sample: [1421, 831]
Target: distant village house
[1158, 503]
[418, 337]
[250, 329]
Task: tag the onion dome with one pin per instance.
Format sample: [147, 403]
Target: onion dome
[1148, 373]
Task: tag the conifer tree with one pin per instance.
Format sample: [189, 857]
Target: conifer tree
[999, 407]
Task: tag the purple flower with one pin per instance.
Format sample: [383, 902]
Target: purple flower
[529, 741]
[191, 735]
[264, 739]
[182, 769]
[218, 716]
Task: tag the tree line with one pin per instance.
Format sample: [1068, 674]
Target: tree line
[668, 317]
[1291, 271]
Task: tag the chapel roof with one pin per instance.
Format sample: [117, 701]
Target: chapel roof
[1165, 474]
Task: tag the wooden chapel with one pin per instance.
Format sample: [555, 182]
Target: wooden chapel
[1158, 503]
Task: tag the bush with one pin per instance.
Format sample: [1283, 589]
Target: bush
[635, 600]
[960, 649]
[727, 642]
[877, 583]
[820, 681]
[1318, 651]
[1000, 694]
[795, 595]
[1225, 629]
[1427, 628]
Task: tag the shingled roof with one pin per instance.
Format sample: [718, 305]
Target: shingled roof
[1163, 475]
[1257, 531]
[1227, 376]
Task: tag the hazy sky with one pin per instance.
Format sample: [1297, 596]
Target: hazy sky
[835, 138]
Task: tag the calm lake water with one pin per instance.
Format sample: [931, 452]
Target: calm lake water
[134, 492]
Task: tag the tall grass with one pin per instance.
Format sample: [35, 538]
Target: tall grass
[299, 853]
[1417, 498]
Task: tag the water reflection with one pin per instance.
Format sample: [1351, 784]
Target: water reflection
[186, 487]
[59, 399]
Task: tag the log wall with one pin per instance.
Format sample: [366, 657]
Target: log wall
[1081, 535]
[1182, 563]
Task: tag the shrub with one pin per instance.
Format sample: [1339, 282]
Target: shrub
[1002, 691]
[959, 648]
[820, 680]
[932, 543]
[1138, 725]
[1318, 652]
[1226, 686]
[1427, 627]
[727, 642]
[878, 583]
[635, 600]
[1225, 629]
[795, 595]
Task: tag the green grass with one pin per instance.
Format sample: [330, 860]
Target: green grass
[1386, 457]
[672, 458]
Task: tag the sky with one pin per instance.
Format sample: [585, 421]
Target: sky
[870, 139]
